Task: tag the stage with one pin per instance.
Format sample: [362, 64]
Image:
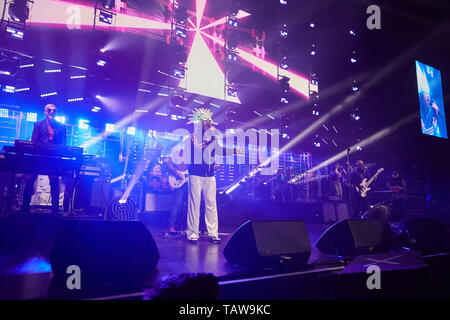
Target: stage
[26, 271]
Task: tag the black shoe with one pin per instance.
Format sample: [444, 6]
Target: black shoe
[215, 239]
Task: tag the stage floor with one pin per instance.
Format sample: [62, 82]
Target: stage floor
[25, 271]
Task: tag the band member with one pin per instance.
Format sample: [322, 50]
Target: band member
[398, 186]
[44, 132]
[358, 175]
[337, 175]
[179, 192]
[202, 180]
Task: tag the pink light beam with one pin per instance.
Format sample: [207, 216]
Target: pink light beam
[298, 83]
[199, 9]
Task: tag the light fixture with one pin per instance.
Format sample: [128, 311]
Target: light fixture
[19, 11]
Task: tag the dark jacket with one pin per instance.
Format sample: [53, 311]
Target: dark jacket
[201, 169]
[41, 134]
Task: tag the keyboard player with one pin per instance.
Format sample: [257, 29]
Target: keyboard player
[47, 131]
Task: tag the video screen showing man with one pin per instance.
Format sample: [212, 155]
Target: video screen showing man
[432, 114]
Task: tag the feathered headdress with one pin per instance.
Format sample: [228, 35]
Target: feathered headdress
[200, 114]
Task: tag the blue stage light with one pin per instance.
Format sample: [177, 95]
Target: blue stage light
[4, 113]
[109, 127]
[14, 32]
[9, 89]
[105, 17]
[101, 63]
[83, 124]
[131, 131]
[31, 116]
[60, 119]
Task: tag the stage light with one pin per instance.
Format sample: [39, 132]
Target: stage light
[60, 119]
[359, 148]
[284, 84]
[312, 25]
[101, 63]
[105, 17]
[19, 11]
[283, 2]
[283, 64]
[31, 116]
[161, 114]
[313, 52]
[232, 43]
[52, 70]
[177, 99]
[232, 92]
[352, 33]
[179, 73]
[29, 65]
[102, 50]
[181, 15]
[180, 55]
[22, 89]
[15, 32]
[355, 88]
[49, 94]
[131, 131]
[78, 77]
[232, 56]
[9, 66]
[356, 117]
[95, 109]
[284, 100]
[352, 60]
[317, 144]
[4, 113]
[180, 32]
[315, 112]
[74, 99]
[9, 89]
[232, 21]
[110, 127]
[98, 96]
[108, 4]
[83, 124]
[283, 33]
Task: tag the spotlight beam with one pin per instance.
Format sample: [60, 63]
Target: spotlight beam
[199, 9]
[125, 121]
[366, 142]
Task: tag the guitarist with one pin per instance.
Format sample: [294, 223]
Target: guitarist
[359, 173]
[180, 193]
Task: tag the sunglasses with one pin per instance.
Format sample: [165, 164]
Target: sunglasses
[51, 110]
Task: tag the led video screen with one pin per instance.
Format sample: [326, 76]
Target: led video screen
[432, 113]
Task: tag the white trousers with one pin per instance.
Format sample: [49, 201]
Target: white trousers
[206, 186]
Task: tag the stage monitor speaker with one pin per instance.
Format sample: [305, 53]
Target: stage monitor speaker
[105, 251]
[92, 194]
[426, 234]
[351, 237]
[260, 244]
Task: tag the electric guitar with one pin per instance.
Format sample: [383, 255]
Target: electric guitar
[177, 182]
[363, 187]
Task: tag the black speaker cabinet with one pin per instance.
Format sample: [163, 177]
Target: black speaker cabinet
[426, 234]
[105, 251]
[351, 237]
[259, 244]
